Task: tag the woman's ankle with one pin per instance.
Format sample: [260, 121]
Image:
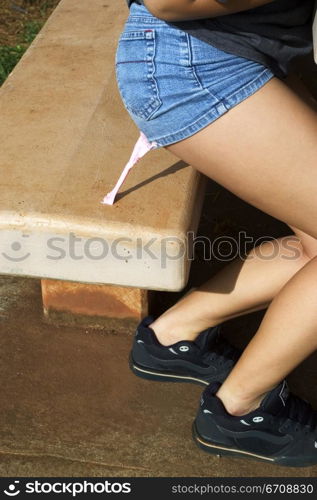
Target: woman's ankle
[238, 405]
[184, 320]
[169, 332]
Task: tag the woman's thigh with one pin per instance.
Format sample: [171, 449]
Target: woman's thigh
[308, 243]
[265, 151]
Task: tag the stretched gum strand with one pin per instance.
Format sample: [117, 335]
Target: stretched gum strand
[140, 149]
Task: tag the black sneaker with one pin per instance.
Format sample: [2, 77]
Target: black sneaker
[281, 431]
[206, 359]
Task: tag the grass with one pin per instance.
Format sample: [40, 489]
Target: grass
[31, 29]
[10, 56]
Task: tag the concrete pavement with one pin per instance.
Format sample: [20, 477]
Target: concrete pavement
[71, 407]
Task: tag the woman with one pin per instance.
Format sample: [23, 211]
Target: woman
[204, 79]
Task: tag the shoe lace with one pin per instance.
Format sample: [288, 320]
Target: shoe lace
[222, 348]
[300, 412]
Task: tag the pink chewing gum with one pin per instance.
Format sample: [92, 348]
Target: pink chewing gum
[140, 149]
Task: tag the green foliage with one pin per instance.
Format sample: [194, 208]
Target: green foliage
[31, 29]
[10, 56]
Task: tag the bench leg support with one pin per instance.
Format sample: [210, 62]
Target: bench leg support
[94, 306]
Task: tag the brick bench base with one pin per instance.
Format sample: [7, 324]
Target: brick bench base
[96, 306]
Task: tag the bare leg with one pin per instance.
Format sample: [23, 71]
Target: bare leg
[241, 287]
[271, 164]
[265, 151]
[287, 335]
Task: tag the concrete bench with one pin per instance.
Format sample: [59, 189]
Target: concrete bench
[64, 137]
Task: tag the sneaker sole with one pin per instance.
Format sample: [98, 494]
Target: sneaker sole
[216, 449]
[149, 374]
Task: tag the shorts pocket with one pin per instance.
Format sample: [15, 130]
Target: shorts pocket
[135, 72]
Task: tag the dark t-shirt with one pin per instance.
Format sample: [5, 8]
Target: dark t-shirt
[273, 34]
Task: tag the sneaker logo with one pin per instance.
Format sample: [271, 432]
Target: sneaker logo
[258, 419]
[140, 342]
[202, 400]
[184, 348]
[284, 392]
[172, 350]
[207, 411]
[315, 444]
[244, 422]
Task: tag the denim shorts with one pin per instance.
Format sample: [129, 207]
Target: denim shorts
[173, 84]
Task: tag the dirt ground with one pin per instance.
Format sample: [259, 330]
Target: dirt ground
[14, 15]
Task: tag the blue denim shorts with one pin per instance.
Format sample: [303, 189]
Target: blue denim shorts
[173, 84]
